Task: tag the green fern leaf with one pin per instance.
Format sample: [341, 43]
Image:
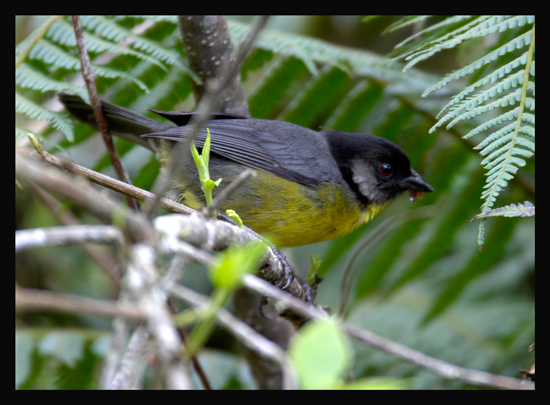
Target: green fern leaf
[274, 85]
[499, 24]
[496, 24]
[313, 52]
[61, 32]
[498, 155]
[516, 43]
[506, 149]
[406, 21]
[507, 116]
[54, 55]
[35, 111]
[439, 31]
[505, 135]
[490, 78]
[30, 78]
[452, 39]
[467, 104]
[491, 25]
[113, 32]
[530, 103]
[505, 101]
[527, 209]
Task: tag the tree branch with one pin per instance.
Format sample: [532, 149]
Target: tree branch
[30, 299]
[88, 76]
[395, 349]
[82, 193]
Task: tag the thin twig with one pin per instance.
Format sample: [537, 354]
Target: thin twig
[142, 283]
[79, 191]
[129, 370]
[403, 352]
[27, 299]
[437, 366]
[88, 76]
[67, 235]
[105, 181]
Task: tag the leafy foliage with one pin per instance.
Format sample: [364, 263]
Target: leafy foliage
[423, 285]
[507, 148]
[526, 209]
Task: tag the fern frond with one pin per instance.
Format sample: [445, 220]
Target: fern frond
[439, 32]
[516, 43]
[20, 132]
[482, 28]
[32, 110]
[54, 55]
[313, 52]
[28, 77]
[62, 33]
[506, 149]
[507, 116]
[490, 78]
[527, 209]
[406, 21]
[505, 135]
[113, 32]
[450, 40]
[505, 101]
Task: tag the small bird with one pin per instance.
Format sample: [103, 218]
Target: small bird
[311, 186]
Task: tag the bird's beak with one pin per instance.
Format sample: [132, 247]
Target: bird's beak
[416, 185]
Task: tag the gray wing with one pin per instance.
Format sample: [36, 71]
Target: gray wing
[287, 150]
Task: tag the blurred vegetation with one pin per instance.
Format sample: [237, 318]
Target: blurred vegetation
[424, 284]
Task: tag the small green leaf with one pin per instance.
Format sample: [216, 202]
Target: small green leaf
[321, 354]
[35, 143]
[229, 268]
[201, 161]
[315, 264]
[235, 217]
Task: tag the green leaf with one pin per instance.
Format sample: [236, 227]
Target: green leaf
[526, 209]
[201, 161]
[235, 218]
[516, 43]
[321, 354]
[315, 265]
[230, 266]
[59, 121]
[355, 106]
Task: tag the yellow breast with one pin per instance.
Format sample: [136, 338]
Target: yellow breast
[291, 213]
[294, 214]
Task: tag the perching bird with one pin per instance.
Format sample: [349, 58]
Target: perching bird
[311, 186]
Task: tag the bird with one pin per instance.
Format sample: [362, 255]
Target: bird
[311, 186]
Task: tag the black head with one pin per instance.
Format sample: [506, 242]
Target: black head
[376, 169]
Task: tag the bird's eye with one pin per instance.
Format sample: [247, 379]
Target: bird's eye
[385, 169]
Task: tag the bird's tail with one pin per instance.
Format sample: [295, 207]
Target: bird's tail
[121, 122]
